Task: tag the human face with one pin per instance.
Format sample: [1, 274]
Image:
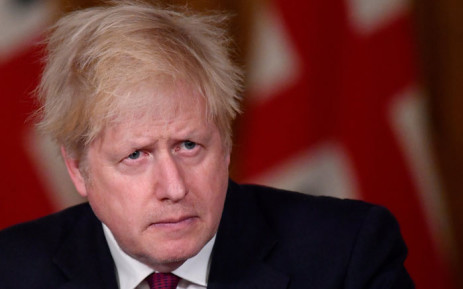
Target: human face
[158, 179]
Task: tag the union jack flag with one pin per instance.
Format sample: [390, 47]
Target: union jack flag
[334, 107]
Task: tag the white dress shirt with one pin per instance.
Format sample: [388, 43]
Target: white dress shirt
[131, 273]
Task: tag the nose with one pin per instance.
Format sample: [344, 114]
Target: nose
[171, 182]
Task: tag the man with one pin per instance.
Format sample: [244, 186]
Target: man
[141, 101]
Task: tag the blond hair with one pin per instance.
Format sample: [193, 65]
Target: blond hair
[93, 53]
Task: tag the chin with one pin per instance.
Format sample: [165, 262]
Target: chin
[167, 261]
[173, 255]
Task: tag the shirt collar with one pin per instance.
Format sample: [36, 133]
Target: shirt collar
[132, 272]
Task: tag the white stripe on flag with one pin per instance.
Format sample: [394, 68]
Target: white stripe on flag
[272, 61]
[322, 170]
[51, 169]
[369, 15]
[408, 120]
[19, 24]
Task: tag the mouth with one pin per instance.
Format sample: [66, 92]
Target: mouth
[175, 223]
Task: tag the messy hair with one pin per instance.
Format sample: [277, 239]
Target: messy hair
[94, 53]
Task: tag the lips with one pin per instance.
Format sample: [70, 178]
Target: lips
[175, 223]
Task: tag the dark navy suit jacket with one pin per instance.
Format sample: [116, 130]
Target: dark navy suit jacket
[267, 238]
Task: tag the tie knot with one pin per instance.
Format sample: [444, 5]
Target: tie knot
[162, 281]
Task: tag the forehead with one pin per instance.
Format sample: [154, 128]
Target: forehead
[175, 117]
[151, 111]
[167, 101]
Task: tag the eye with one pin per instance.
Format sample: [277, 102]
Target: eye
[135, 155]
[189, 145]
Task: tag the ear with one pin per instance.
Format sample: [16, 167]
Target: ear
[77, 178]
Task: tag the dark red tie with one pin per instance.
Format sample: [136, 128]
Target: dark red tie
[162, 281]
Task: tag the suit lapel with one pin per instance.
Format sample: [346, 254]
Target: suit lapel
[244, 241]
[84, 256]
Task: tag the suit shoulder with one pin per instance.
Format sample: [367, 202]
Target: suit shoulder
[288, 210]
[348, 242]
[279, 199]
[41, 233]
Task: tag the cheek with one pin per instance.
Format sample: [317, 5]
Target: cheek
[113, 200]
[212, 183]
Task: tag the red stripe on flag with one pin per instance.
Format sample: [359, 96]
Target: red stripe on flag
[23, 196]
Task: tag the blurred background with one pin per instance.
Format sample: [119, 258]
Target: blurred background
[351, 98]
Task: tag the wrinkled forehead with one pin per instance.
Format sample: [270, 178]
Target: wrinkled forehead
[163, 113]
[168, 100]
